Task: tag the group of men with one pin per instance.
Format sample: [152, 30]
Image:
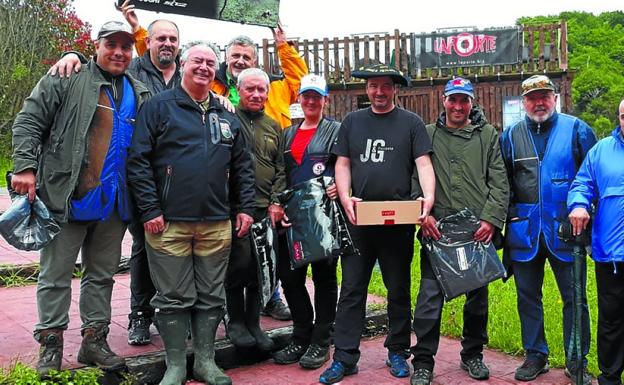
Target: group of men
[147, 141]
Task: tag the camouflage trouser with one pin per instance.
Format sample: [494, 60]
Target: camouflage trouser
[100, 245]
[188, 261]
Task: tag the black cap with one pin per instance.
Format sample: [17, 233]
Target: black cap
[379, 70]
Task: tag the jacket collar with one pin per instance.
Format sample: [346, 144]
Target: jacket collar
[184, 99]
[251, 115]
[477, 121]
[544, 126]
[618, 135]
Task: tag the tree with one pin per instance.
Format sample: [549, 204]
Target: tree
[34, 34]
[595, 45]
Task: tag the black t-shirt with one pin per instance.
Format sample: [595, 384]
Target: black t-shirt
[382, 149]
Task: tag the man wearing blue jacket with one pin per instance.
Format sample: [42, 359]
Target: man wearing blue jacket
[542, 153]
[600, 182]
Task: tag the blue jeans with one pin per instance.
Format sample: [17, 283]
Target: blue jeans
[529, 277]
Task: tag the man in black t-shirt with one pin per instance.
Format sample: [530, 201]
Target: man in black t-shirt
[377, 149]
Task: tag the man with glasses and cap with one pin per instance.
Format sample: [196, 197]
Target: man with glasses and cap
[470, 173]
[542, 154]
[70, 144]
[377, 150]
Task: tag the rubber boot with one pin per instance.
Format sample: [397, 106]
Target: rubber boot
[203, 331]
[252, 320]
[51, 351]
[173, 329]
[236, 329]
[94, 350]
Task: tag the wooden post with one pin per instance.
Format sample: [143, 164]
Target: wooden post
[266, 64]
[563, 62]
[397, 49]
[326, 73]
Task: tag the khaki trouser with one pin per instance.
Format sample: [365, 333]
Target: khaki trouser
[100, 244]
[187, 263]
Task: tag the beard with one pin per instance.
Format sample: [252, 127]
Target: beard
[166, 60]
[541, 118]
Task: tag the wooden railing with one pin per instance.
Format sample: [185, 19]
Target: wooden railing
[542, 48]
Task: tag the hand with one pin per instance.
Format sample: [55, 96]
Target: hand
[429, 228]
[285, 221]
[225, 102]
[485, 232]
[24, 183]
[579, 218]
[276, 213]
[128, 14]
[155, 226]
[348, 203]
[66, 65]
[243, 223]
[427, 205]
[279, 35]
[332, 191]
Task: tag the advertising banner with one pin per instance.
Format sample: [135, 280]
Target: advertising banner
[465, 49]
[257, 12]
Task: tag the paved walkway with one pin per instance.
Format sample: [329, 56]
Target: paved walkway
[18, 314]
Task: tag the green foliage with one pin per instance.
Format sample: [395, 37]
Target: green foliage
[35, 33]
[21, 374]
[504, 323]
[595, 45]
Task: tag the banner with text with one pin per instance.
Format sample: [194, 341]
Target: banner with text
[465, 49]
[257, 12]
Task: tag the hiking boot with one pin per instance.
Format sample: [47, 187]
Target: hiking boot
[476, 368]
[290, 354]
[336, 372]
[278, 310]
[421, 376]
[94, 350]
[398, 365]
[314, 357]
[532, 367]
[587, 378]
[50, 352]
[139, 330]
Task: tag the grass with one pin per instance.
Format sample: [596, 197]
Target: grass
[6, 164]
[504, 324]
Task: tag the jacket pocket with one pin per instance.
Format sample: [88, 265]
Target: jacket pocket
[518, 230]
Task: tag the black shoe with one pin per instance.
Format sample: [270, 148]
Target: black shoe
[398, 365]
[476, 368]
[278, 310]
[587, 378]
[139, 331]
[532, 367]
[421, 376]
[336, 372]
[290, 354]
[314, 357]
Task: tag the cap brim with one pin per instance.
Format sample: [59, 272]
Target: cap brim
[315, 89]
[538, 89]
[396, 78]
[109, 33]
[471, 94]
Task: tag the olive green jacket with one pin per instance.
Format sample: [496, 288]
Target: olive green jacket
[469, 170]
[50, 132]
[265, 138]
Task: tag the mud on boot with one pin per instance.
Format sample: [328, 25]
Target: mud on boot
[173, 329]
[204, 325]
[50, 352]
[94, 350]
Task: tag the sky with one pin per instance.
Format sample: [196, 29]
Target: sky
[339, 18]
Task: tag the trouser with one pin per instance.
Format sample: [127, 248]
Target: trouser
[100, 245]
[141, 287]
[428, 314]
[529, 277]
[393, 248]
[308, 329]
[187, 262]
[610, 339]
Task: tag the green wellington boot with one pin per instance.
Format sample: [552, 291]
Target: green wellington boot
[204, 325]
[173, 329]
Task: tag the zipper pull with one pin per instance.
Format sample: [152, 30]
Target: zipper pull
[169, 170]
[539, 127]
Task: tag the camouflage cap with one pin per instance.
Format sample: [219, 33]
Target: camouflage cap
[537, 82]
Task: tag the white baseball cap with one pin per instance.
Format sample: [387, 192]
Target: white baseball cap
[315, 83]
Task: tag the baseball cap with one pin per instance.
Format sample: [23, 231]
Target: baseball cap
[459, 86]
[111, 27]
[537, 82]
[379, 70]
[313, 82]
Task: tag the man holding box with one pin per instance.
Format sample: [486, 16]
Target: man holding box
[470, 172]
[377, 149]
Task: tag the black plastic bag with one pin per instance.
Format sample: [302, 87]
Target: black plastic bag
[459, 263]
[318, 231]
[27, 226]
[264, 238]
